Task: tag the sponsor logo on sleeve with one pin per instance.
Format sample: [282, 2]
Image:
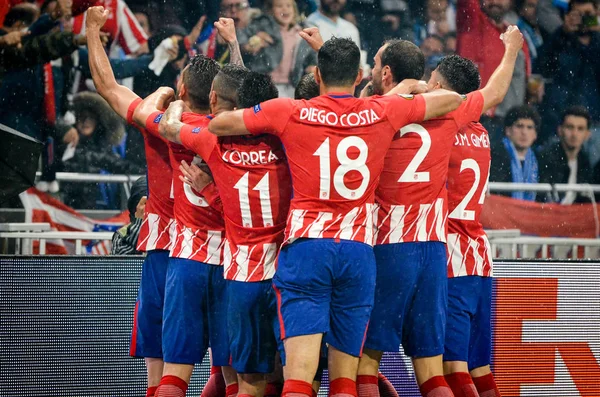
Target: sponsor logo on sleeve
[408, 97]
[158, 118]
[257, 108]
[196, 130]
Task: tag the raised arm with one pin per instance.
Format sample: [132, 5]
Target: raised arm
[226, 29]
[495, 90]
[170, 125]
[440, 102]
[118, 97]
[313, 37]
[229, 123]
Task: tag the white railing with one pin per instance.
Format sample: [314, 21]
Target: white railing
[549, 247]
[125, 180]
[24, 239]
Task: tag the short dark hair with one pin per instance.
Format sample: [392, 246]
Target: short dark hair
[256, 88]
[578, 111]
[307, 87]
[228, 82]
[577, 2]
[198, 78]
[522, 112]
[20, 13]
[405, 59]
[460, 74]
[339, 61]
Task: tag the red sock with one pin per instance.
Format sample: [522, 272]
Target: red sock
[386, 389]
[486, 386]
[215, 387]
[151, 391]
[461, 384]
[342, 387]
[367, 386]
[171, 386]
[231, 390]
[436, 387]
[296, 388]
[273, 390]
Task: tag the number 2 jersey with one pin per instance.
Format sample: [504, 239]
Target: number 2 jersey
[254, 183]
[335, 145]
[200, 230]
[412, 195]
[158, 229]
[469, 252]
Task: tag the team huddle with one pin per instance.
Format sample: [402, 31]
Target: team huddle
[316, 232]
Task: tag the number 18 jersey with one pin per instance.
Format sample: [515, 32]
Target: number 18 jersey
[469, 252]
[335, 145]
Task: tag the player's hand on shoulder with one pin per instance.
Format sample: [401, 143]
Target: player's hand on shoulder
[513, 39]
[95, 17]
[409, 86]
[313, 37]
[171, 120]
[226, 29]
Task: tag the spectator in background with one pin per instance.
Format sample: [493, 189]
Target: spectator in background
[514, 160]
[211, 44]
[99, 133]
[450, 39]
[124, 241]
[379, 20]
[528, 25]
[566, 161]
[478, 30]
[143, 21]
[330, 23]
[271, 44]
[433, 48]
[440, 20]
[572, 61]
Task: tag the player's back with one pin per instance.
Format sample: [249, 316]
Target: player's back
[412, 194]
[335, 146]
[468, 247]
[157, 230]
[254, 183]
[200, 227]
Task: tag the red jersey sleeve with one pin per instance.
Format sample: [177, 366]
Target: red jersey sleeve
[270, 116]
[212, 196]
[152, 122]
[198, 139]
[470, 110]
[132, 106]
[405, 109]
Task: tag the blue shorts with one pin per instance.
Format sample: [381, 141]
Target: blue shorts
[253, 326]
[410, 299]
[195, 315]
[324, 286]
[146, 336]
[468, 330]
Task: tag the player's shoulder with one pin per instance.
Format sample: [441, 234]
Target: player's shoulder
[195, 118]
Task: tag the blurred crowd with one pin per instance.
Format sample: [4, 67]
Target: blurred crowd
[546, 130]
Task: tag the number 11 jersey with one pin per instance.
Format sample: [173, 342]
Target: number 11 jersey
[335, 145]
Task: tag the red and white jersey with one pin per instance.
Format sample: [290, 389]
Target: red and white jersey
[200, 229]
[253, 178]
[412, 195]
[469, 252]
[121, 25]
[158, 229]
[335, 145]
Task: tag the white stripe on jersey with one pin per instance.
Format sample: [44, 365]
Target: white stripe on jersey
[315, 230]
[455, 256]
[296, 222]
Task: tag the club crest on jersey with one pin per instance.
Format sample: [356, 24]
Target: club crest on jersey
[257, 108]
[409, 97]
[158, 118]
